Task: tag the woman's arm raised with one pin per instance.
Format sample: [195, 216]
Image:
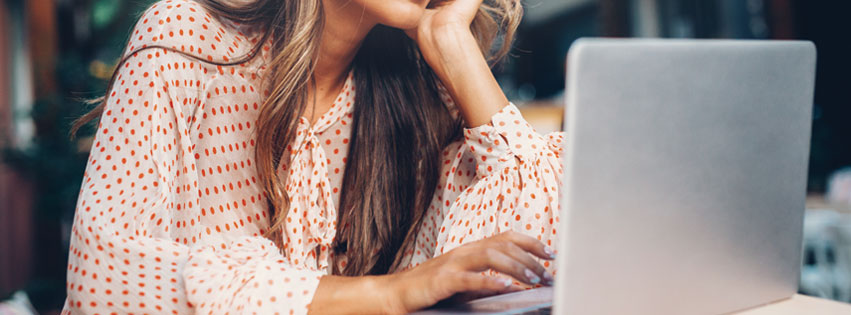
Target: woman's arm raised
[504, 176]
[448, 45]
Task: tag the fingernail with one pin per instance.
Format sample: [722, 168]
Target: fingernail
[548, 278]
[549, 251]
[505, 282]
[532, 277]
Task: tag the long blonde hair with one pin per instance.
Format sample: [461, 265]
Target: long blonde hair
[400, 124]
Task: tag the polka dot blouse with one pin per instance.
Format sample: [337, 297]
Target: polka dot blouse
[171, 216]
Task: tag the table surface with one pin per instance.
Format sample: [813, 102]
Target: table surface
[801, 304]
[532, 299]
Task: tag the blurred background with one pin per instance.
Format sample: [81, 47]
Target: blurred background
[56, 53]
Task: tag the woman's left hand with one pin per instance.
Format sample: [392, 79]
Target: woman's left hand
[440, 14]
[444, 22]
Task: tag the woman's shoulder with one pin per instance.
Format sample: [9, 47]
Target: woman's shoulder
[188, 27]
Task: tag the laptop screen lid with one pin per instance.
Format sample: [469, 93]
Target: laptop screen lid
[685, 175]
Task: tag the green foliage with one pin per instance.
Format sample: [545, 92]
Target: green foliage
[104, 12]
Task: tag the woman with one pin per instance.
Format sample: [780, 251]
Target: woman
[309, 156]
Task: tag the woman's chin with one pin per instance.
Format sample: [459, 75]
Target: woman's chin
[402, 24]
[406, 25]
[401, 14]
[407, 18]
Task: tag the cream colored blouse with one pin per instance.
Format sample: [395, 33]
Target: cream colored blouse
[171, 215]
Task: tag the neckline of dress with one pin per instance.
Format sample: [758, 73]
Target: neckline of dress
[342, 105]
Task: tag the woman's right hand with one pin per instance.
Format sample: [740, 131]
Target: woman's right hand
[461, 271]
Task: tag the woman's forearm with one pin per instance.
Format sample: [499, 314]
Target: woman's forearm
[456, 271]
[355, 295]
[461, 66]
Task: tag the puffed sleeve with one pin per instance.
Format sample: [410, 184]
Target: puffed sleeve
[140, 242]
[503, 176]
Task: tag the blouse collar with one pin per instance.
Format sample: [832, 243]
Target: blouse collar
[343, 105]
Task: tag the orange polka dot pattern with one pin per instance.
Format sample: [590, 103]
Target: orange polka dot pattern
[171, 216]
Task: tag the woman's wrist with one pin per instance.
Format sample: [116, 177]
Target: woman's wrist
[358, 295]
[391, 292]
[448, 48]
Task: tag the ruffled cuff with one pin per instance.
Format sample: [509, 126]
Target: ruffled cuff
[505, 137]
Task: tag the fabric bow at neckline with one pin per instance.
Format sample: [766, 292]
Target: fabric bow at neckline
[311, 219]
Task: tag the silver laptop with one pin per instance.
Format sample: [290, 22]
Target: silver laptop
[685, 179]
